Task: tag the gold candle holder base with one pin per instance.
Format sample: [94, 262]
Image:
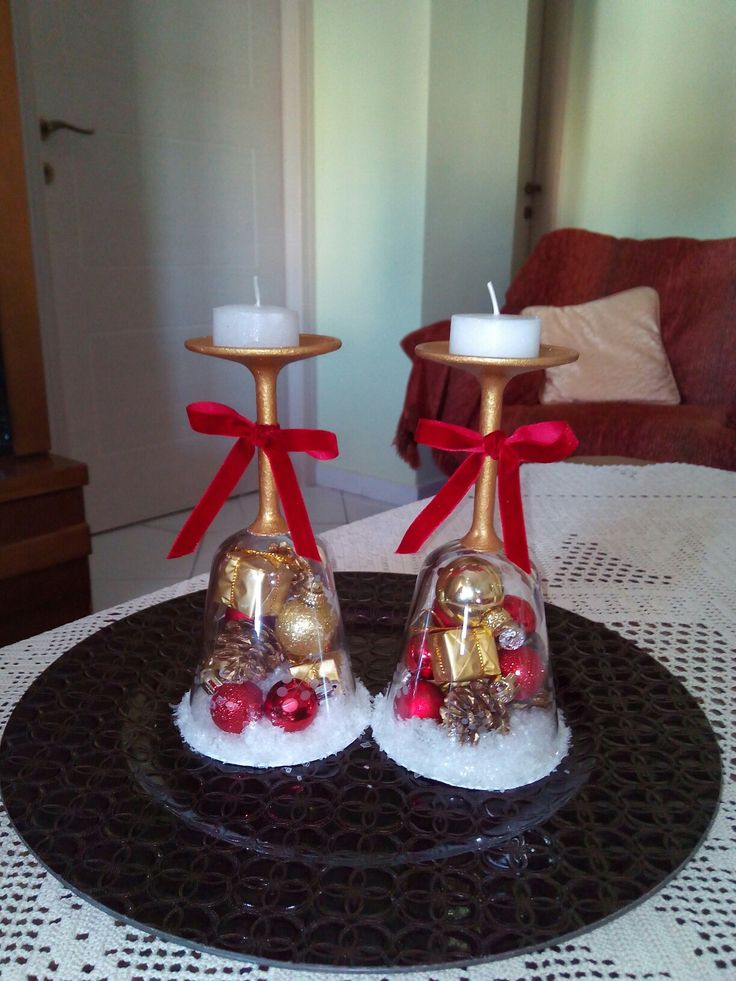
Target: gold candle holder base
[265, 364]
[493, 375]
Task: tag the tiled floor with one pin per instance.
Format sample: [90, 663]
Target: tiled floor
[130, 561]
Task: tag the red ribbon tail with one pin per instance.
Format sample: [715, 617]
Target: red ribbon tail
[512, 514]
[441, 505]
[295, 510]
[212, 500]
[541, 442]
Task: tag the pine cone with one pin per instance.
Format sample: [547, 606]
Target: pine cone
[240, 654]
[478, 706]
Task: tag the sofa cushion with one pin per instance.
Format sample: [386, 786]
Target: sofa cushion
[696, 283]
[622, 357]
[694, 279]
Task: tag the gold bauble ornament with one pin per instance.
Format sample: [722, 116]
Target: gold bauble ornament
[467, 588]
[306, 624]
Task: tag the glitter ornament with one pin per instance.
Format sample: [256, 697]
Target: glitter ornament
[307, 623]
[522, 612]
[504, 628]
[422, 700]
[234, 706]
[418, 656]
[511, 638]
[527, 668]
[291, 705]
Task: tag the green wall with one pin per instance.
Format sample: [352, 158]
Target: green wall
[649, 145]
[416, 127]
[475, 97]
[371, 70]
[417, 109]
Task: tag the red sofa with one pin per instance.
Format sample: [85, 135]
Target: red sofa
[696, 282]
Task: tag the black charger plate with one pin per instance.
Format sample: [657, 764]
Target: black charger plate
[353, 861]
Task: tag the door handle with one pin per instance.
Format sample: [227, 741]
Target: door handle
[48, 127]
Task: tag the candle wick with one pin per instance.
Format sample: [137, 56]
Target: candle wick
[257, 291]
[494, 301]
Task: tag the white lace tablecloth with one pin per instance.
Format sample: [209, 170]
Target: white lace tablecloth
[648, 551]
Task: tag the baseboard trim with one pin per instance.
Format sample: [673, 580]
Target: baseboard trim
[373, 487]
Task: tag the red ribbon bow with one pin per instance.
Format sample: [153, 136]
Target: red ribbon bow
[215, 419]
[542, 442]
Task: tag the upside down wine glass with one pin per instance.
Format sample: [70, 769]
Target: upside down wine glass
[472, 701]
[274, 684]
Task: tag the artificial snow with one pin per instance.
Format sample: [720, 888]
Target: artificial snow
[536, 743]
[339, 721]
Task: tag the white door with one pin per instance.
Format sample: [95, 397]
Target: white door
[169, 209]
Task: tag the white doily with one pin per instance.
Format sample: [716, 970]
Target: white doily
[648, 551]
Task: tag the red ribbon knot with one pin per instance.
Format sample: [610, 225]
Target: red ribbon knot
[215, 419]
[541, 442]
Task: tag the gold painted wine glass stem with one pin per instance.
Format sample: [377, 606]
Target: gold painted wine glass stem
[482, 535]
[270, 520]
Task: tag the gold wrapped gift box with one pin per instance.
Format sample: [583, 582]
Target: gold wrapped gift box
[463, 655]
[327, 668]
[255, 583]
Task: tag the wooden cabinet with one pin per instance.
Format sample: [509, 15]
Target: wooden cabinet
[44, 545]
[44, 539]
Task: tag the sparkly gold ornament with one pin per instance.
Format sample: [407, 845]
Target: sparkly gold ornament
[467, 588]
[509, 634]
[496, 619]
[307, 623]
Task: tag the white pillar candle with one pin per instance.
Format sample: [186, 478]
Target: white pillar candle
[239, 325]
[494, 335]
[252, 326]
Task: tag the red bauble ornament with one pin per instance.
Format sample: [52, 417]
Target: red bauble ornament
[522, 612]
[527, 668]
[418, 656]
[421, 701]
[291, 705]
[234, 706]
[442, 618]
